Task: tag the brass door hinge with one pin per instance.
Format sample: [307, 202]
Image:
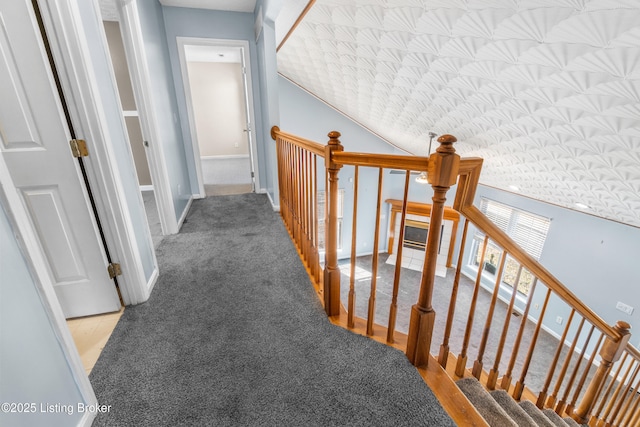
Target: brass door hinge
[79, 148]
[114, 270]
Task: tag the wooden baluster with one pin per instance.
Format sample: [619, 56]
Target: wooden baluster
[294, 194]
[625, 397]
[331, 270]
[542, 396]
[316, 218]
[461, 364]
[551, 400]
[442, 173]
[374, 260]
[585, 374]
[562, 404]
[631, 408]
[444, 347]
[393, 310]
[604, 397]
[305, 196]
[505, 384]
[285, 184]
[618, 388]
[298, 198]
[290, 189]
[519, 388]
[610, 353]
[636, 417]
[493, 373]
[301, 196]
[476, 371]
[352, 276]
[309, 210]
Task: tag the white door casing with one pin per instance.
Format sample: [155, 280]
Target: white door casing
[34, 143]
[248, 95]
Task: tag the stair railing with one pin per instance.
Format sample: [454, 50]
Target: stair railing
[600, 391]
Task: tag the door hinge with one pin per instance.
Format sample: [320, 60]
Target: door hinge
[114, 270]
[253, 174]
[79, 148]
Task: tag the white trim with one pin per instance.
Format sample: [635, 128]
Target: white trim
[18, 218]
[253, 149]
[141, 82]
[230, 156]
[153, 279]
[146, 188]
[130, 113]
[185, 212]
[71, 53]
[275, 207]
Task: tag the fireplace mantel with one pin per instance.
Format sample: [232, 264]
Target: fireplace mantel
[424, 210]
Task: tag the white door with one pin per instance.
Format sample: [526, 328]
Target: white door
[34, 142]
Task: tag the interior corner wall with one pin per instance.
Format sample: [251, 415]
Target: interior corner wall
[117, 134]
[165, 104]
[200, 23]
[33, 367]
[594, 257]
[270, 106]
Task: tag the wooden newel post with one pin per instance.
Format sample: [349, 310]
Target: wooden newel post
[331, 270]
[609, 354]
[442, 173]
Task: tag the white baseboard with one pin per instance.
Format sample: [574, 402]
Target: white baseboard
[185, 213]
[229, 156]
[275, 207]
[152, 280]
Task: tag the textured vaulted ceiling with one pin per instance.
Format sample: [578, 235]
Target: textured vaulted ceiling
[546, 91]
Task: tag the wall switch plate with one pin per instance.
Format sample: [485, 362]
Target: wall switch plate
[559, 320]
[624, 308]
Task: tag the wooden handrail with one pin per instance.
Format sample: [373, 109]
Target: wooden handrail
[503, 240]
[385, 161]
[444, 168]
[306, 144]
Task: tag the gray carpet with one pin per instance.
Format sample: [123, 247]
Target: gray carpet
[234, 335]
[408, 294]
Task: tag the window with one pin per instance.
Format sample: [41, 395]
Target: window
[526, 229]
[321, 214]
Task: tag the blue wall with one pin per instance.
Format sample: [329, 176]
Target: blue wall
[186, 22]
[304, 115]
[270, 105]
[595, 258]
[165, 103]
[33, 367]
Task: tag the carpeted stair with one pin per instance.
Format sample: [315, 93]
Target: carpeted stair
[499, 409]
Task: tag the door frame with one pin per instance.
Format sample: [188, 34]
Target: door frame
[64, 26]
[135, 53]
[248, 99]
[37, 264]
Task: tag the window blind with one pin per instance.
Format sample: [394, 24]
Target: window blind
[526, 229]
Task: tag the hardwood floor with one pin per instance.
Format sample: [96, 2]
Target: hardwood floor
[91, 334]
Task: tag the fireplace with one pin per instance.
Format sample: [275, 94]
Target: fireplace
[415, 234]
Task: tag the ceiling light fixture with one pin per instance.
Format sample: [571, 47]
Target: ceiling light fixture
[423, 178]
[514, 188]
[582, 205]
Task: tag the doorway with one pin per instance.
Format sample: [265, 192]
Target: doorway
[217, 80]
[131, 117]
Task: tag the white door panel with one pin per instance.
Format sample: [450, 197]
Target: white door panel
[34, 141]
